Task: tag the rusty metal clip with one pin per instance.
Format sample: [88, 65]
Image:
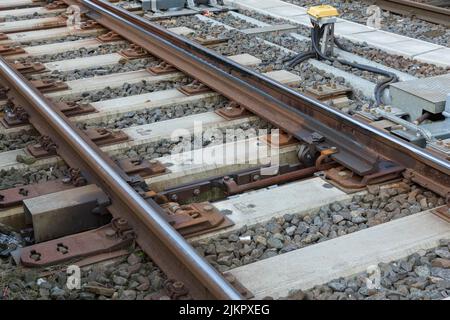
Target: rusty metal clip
[196, 218]
[233, 111]
[46, 86]
[29, 67]
[162, 68]
[14, 115]
[45, 148]
[10, 50]
[116, 235]
[89, 25]
[109, 37]
[176, 290]
[56, 5]
[134, 52]
[195, 87]
[75, 178]
[142, 167]
[102, 136]
[71, 109]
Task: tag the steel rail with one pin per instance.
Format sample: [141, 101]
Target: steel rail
[359, 144]
[166, 247]
[420, 10]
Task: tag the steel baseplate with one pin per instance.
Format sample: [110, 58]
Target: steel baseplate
[196, 218]
[15, 196]
[111, 237]
[351, 182]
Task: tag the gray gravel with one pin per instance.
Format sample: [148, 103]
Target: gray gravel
[147, 116]
[291, 232]
[78, 53]
[15, 177]
[57, 40]
[126, 90]
[424, 275]
[411, 27]
[124, 66]
[29, 17]
[166, 147]
[132, 277]
[14, 141]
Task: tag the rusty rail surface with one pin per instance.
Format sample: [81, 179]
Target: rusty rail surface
[166, 247]
[424, 11]
[361, 147]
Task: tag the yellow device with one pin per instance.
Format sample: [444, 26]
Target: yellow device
[322, 11]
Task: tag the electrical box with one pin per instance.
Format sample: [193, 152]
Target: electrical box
[416, 96]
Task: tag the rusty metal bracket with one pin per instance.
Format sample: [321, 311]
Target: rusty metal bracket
[193, 88]
[109, 37]
[14, 115]
[162, 68]
[55, 5]
[71, 109]
[10, 50]
[328, 91]
[114, 236]
[172, 289]
[102, 137]
[28, 68]
[233, 111]
[258, 181]
[196, 218]
[281, 139]
[15, 196]
[89, 25]
[346, 179]
[239, 181]
[142, 167]
[45, 148]
[47, 86]
[134, 52]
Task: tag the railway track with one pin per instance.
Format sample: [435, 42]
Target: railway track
[433, 11]
[115, 99]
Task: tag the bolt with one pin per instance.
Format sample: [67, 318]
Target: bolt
[208, 207]
[196, 192]
[256, 177]
[226, 178]
[178, 285]
[110, 233]
[174, 197]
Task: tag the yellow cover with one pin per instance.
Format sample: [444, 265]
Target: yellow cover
[322, 11]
